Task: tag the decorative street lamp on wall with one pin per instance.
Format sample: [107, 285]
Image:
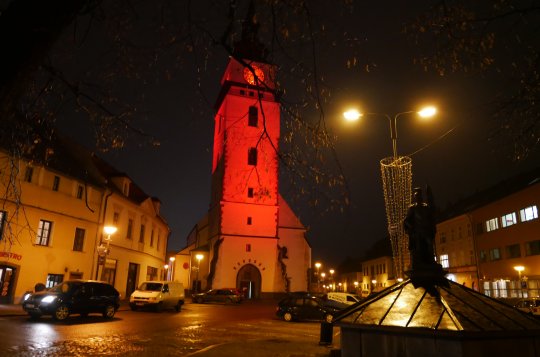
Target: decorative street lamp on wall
[103, 250]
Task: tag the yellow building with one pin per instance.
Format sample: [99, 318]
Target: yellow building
[54, 206]
[455, 250]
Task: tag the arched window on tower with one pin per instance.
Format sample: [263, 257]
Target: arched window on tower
[252, 156]
[253, 116]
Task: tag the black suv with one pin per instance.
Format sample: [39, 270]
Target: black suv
[73, 297]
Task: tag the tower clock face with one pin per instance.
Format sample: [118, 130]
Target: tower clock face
[250, 78]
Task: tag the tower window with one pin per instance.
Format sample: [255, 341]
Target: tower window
[252, 156]
[248, 247]
[249, 221]
[253, 116]
[250, 192]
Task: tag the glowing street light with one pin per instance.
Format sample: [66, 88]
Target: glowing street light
[104, 250]
[171, 272]
[426, 112]
[318, 266]
[199, 257]
[519, 269]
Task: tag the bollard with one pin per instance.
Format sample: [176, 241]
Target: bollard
[327, 330]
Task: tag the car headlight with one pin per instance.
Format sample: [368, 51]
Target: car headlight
[26, 296]
[48, 299]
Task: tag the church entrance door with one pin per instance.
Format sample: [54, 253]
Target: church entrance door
[248, 281]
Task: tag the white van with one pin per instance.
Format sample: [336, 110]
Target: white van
[342, 299]
[158, 295]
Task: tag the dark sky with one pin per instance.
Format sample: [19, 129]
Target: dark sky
[178, 111]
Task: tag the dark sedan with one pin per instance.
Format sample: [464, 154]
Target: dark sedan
[218, 295]
[73, 297]
[307, 307]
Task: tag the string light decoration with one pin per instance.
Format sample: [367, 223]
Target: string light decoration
[396, 172]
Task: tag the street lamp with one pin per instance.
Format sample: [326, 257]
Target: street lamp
[397, 179]
[318, 266]
[171, 264]
[519, 269]
[199, 257]
[332, 278]
[426, 112]
[166, 272]
[104, 249]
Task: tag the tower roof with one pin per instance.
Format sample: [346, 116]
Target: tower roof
[249, 46]
[442, 307]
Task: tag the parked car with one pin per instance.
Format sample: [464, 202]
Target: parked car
[73, 297]
[226, 295]
[158, 295]
[305, 307]
[530, 306]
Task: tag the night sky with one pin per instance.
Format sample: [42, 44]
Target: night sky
[452, 153]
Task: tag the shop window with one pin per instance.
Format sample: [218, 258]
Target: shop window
[53, 280]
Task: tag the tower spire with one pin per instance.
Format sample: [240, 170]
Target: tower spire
[249, 46]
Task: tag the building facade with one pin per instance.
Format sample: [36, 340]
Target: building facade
[52, 214]
[455, 250]
[490, 241]
[250, 238]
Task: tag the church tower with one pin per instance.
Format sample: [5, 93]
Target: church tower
[250, 238]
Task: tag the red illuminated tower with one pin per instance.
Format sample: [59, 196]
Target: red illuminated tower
[250, 238]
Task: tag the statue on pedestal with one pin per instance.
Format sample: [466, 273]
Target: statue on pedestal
[420, 226]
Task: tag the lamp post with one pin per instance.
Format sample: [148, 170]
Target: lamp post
[103, 250]
[199, 257]
[323, 275]
[318, 266]
[331, 271]
[374, 285]
[519, 269]
[171, 271]
[397, 181]
[355, 287]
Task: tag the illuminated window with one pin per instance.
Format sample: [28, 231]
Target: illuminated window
[249, 221]
[56, 183]
[492, 224]
[252, 156]
[443, 260]
[513, 251]
[53, 280]
[43, 233]
[250, 192]
[78, 242]
[528, 214]
[253, 116]
[509, 219]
